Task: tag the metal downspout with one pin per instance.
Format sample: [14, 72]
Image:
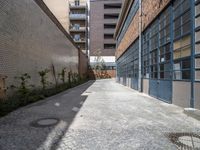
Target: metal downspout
[140, 47]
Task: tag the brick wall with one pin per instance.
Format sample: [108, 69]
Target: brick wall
[83, 64]
[30, 42]
[150, 8]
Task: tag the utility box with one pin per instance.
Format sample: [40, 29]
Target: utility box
[3, 86]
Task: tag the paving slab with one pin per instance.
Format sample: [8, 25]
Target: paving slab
[110, 117]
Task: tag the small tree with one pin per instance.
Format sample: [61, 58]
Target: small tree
[70, 78]
[62, 75]
[99, 63]
[24, 86]
[43, 76]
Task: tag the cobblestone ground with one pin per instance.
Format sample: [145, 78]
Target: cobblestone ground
[100, 115]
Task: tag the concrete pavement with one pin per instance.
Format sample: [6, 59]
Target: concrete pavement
[100, 115]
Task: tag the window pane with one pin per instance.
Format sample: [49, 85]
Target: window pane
[167, 67]
[186, 28]
[197, 10]
[162, 58]
[161, 75]
[177, 33]
[177, 75]
[177, 54]
[197, 36]
[197, 63]
[186, 4]
[186, 74]
[186, 41]
[167, 75]
[197, 75]
[167, 56]
[161, 67]
[186, 64]
[186, 52]
[197, 21]
[177, 44]
[177, 66]
[197, 48]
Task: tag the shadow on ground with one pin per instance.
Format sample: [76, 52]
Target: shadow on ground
[18, 132]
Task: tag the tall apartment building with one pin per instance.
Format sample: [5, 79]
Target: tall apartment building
[78, 19]
[103, 18]
[165, 57]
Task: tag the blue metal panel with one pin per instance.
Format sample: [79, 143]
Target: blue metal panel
[164, 90]
[135, 83]
[153, 88]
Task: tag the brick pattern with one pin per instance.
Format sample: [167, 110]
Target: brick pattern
[31, 42]
[83, 64]
[151, 8]
[97, 27]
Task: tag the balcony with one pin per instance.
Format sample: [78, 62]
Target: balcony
[114, 21]
[79, 6]
[77, 29]
[109, 31]
[109, 41]
[81, 40]
[111, 11]
[77, 16]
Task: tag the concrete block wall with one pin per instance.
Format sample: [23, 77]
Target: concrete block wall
[30, 42]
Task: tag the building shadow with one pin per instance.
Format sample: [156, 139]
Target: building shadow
[64, 107]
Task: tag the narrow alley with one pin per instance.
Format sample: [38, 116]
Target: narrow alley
[98, 115]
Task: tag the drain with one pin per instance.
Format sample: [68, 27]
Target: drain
[186, 141]
[45, 122]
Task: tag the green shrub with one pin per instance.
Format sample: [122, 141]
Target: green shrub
[25, 95]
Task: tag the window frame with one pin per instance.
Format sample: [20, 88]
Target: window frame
[178, 42]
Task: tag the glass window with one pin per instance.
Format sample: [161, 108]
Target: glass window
[186, 74]
[165, 27]
[197, 63]
[109, 46]
[177, 75]
[145, 53]
[197, 48]
[77, 2]
[182, 19]
[182, 47]
[197, 21]
[197, 75]
[182, 70]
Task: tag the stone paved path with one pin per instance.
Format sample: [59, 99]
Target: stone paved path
[100, 115]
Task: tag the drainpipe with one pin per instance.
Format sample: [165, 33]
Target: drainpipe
[140, 48]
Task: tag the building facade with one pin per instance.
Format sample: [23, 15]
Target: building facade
[158, 49]
[103, 18]
[78, 19]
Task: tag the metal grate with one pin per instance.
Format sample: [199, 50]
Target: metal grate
[44, 122]
[185, 141]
